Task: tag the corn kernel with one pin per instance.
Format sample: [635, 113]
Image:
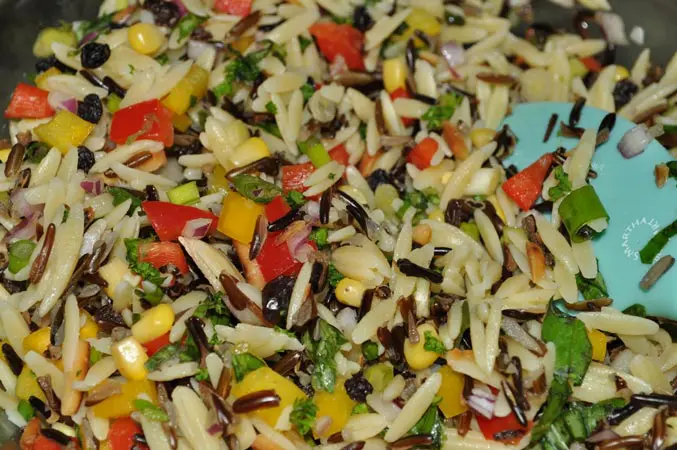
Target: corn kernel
[145, 38]
[130, 357]
[249, 151]
[394, 74]
[90, 329]
[350, 292]
[217, 180]
[420, 19]
[621, 73]
[421, 233]
[598, 341]
[40, 80]
[37, 341]
[153, 323]
[416, 355]
[481, 136]
[437, 215]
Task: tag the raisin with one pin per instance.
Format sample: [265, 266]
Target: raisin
[85, 159]
[623, 92]
[90, 108]
[151, 193]
[361, 19]
[377, 178]
[94, 55]
[44, 64]
[276, 295]
[165, 13]
[357, 387]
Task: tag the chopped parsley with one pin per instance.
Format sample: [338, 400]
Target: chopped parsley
[333, 275]
[563, 187]
[370, 350]
[243, 363]
[188, 24]
[151, 411]
[360, 408]
[271, 108]
[242, 69]
[144, 269]
[322, 353]
[164, 354]
[202, 374]
[363, 130]
[99, 25]
[36, 151]
[295, 199]
[443, 111]
[319, 235]
[433, 344]
[121, 195]
[304, 43]
[307, 90]
[162, 59]
[214, 309]
[303, 415]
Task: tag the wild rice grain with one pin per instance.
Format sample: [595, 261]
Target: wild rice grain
[138, 159]
[255, 401]
[357, 445]
[576, 110]
[259, 238]
[13, 360]
[551, 126]
[658, 432]
[621, 442]
[56, 436]
[417, 440]
[511, 397]
[656, 272]
[14, 160]
[39, 264]
[414, 270]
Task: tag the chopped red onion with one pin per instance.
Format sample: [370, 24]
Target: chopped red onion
[21, 207]
[215, 428]
[303, 252]
[94, 187]
[296, 243]
[613, 27]
[604, 435]
[636, 140]
[338, 66]
[71, 105]
[454, 55]
[26, 229]
[182, 8]
[482, 401]
[59, 101]
[197, 228]
[322, 424]
[88, 38]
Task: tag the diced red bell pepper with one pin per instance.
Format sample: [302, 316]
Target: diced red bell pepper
[422, 155]
[159, 254]
[168, 219]
[275, 259]
[276, 209]
[235, 7]
[145, 120]
[403, 93]
[494, 428]
[156, 344]
[294, 176]
[44, 443]
[340, 154]
[121, 434]
[334, 40]
[29, 102]
[592, 64]
[525, 187]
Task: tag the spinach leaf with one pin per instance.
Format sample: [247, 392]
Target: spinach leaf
[563, 187]
[151, 411]
[121, 195]
[144, 269]
[36, 151]
[333, 275]
[254, 188]
[188, 24]
[635, 310]
[303, 415]
[319, 235]
[445, 108]
[657, 242]
[592, 289]
[294, 199]
[243, 363]
[321, 353]
[574, 351]
[307, 91]
[557, 399]
[672, 167]
[99, 25]
[431, 423]
[214, 309]
[164, 354]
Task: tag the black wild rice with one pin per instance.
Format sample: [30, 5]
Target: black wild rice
[551, 126]
[414, 270]
[256, 400]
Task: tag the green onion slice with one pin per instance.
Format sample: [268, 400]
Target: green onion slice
[315, 151]
[656, 244]
[583, 214]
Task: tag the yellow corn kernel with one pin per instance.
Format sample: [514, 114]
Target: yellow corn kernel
[350, 292]
[598, 341]
[238, 217]
[145, 38]
[249, 151]
[122, 404]
[130, 357]
[437, 215]
[153, 323]
[421, 233]
[40, 80]
[266, 378]
[4, 154]
[37, 341]
[481, 136]
[64, 131]
[451, 391]
[190, 89]
[337, 405]
[494, 202]
[27, 386]
[577, 68]
[243, 43]
[416, 355]
[90, 329]
[621, 73]
[394, 74]
[182, 122]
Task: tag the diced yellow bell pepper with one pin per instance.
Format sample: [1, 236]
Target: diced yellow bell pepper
[251, 150]
[90, 329]
[64, 131]
[130, 358]
[336, 405]
[420, 19]
[598, 341]
[217, 180]
[451, 391]
[190, 89]
[238, 217]
[153, 323]
[266, 378]
[243, 43]
[37, 341]
[27, 386]
[394, 74]
[182, 122]
[42, 78]
[122, 404]
[105, 445]
[4, 154]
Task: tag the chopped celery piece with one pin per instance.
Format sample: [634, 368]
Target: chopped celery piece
[315, 151]
[185, 194]
[471, 230]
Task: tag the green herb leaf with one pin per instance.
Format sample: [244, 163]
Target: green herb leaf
[304, 43]
[635, 310]
[433, 344]
[592, 289]
[319, 235]
[145, 270]
[151, 411]
[295, 199]
[303, 415]
[322, 354]
[25, 409]
[563, 187]
[656, 244]
[271, 128]
[307, 91]
[99, 25]
[202, 374]
[163, 59]
[271, 108]
[255, 189]
[20, 254]
[333, 275]
[557, 399]
[360, 408]
[574, 351]
[164, 354]
[214, 309]
[94, 355]
[188, 24]
[370, 350]
[285, 332]
[243, 363]
[443, 111]
[242, 69]
[431, 423]
[363, 130]
[36, 151]
[121, 195]
[189, 351]
[672, 167]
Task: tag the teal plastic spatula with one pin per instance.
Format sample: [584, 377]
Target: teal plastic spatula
[637, 208]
